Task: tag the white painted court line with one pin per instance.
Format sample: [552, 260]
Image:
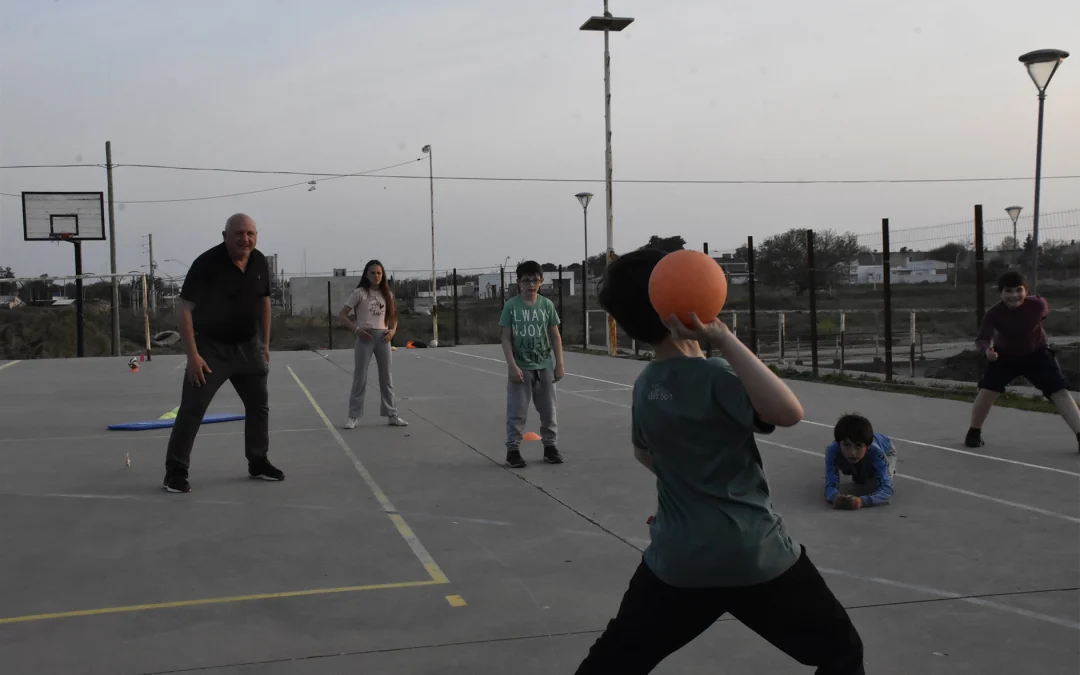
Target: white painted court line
[584, 377]
[7, 365]
[996, 500]
[966, 452]
[993, 458]
[137, 436]
[406, 532]
[969, 493]
[956, 596]
[133, 498]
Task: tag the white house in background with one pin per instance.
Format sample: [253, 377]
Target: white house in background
[911, 272]
[487, 285]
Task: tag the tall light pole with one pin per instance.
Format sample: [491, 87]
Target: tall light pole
[1014, 213]
[434, 298]
[1041, 66]
[608, 23]
[585, 198]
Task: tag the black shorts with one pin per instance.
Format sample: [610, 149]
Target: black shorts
[1040, 368]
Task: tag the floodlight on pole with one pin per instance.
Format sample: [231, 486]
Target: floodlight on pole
[1014, 213]
[434, 298]
[608, 23]
[1041, 65]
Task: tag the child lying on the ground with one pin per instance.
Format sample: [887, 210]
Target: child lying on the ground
[868, 457]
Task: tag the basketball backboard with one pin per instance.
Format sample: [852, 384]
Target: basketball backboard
[49, 214]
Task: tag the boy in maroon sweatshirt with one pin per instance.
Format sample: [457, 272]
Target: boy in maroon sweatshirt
[1014, 342]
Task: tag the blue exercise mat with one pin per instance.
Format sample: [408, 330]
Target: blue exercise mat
[166, 423]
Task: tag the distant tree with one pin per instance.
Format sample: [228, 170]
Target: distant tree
[549, 267]
[948, 252]
[669, 244]
[1008, 244]
[9, 287]
[781, 259]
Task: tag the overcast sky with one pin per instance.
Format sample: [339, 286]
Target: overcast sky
[723, 90]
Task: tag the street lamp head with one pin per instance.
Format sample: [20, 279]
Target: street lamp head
[608, 22]
[1014, 212]
[1042, 64]
[426, 149]
[584, 198]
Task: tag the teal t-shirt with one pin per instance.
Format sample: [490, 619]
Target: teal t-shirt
[530, 326]
[714, 524]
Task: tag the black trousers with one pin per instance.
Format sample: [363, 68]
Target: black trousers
[244, 364]
[796, 612]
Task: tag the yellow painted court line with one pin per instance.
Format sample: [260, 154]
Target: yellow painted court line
[214, 601]
[455, 600]
[403, 528]
[7, 365]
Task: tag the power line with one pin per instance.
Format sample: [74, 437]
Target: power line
[525, 179]
[249, 192]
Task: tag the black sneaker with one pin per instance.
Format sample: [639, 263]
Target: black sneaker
[262, 469]
[974, 438]
[514, 459]
[174, 483]
[551, 455]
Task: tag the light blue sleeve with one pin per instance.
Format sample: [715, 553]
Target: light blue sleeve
[832, 475]
[881, 468]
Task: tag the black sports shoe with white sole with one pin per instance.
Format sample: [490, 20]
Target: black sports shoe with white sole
[178, 484]
[262, 469]
[551, 455]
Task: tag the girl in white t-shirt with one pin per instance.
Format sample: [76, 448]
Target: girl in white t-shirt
[374, 324]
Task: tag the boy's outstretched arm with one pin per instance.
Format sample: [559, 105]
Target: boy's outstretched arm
[884, 492]
[832, 475]
[774, 402]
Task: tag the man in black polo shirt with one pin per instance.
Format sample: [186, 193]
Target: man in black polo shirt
[225, 327]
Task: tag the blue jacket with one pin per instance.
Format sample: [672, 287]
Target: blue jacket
[873, 465]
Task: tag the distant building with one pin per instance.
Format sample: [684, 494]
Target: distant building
[10, 302]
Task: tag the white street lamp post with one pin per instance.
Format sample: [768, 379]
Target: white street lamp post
[1041, 66]
[608, 23]
[1014, 213]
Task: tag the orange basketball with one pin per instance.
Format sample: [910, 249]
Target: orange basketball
[688, 281]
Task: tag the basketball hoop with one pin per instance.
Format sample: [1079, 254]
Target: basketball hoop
[58, 237]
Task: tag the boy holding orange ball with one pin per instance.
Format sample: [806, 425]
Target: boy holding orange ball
[716, 544]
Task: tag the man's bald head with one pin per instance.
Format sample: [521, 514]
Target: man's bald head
[238, 220]
[240, 235]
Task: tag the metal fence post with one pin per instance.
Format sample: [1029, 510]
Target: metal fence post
[812, 281]
[329, 319]
[457, 339]
[750, 283]
[887, 286]
[980, 279]
[561, 315]
[585, 304]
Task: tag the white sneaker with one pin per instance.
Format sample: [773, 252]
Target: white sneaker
[351, 424]
[396, 421]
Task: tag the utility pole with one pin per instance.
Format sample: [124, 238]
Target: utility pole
[153, 292]
[434, 295]
[112, 255]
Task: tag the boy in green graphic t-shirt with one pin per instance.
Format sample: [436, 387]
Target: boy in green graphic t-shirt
[533, 348]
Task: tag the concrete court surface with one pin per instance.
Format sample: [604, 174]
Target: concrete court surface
[414, 550]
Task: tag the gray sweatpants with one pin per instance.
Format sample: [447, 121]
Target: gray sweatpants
[363, 351]
[539, 389]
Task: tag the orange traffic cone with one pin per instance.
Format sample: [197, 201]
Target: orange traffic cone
[531, 436]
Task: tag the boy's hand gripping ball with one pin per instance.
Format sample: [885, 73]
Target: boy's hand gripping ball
[686, 282]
